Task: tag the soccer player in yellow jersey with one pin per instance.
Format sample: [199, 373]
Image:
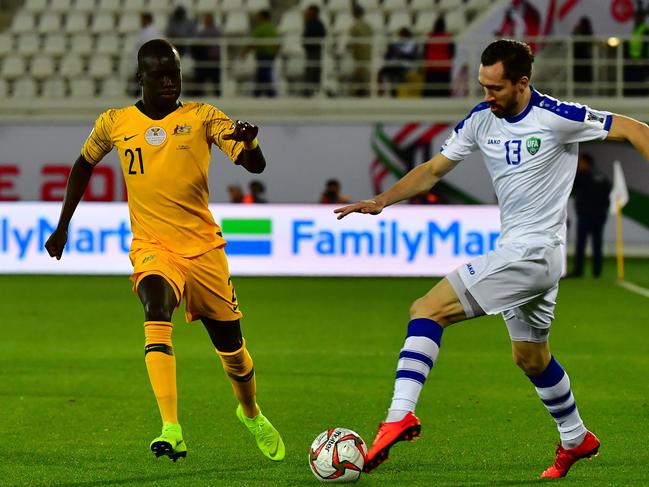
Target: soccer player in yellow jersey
[177, 250]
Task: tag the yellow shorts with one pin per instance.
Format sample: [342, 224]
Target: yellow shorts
[204, 280]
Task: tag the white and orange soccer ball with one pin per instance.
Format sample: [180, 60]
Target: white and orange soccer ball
[337, 455]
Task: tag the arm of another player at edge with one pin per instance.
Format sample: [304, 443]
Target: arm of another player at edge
[631, 130]
[76, 187]
[418, 180]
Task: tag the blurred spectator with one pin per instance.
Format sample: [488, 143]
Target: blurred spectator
[256, 191]
[400, 57]
[636, 51]
[147, 32]
[313, 35]
[331, 194]
[582, 70]
[438, 58]
[360, 45]
[591, 192]
[235, 193]
[207, 57]
[181, 27]
[265, 53]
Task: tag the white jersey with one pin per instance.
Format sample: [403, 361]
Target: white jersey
[532, 160]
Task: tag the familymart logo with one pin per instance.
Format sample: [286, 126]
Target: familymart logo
[248, 236]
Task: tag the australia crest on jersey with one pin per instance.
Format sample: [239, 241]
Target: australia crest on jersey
[533, 145]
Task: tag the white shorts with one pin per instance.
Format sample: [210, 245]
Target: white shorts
[520, 281]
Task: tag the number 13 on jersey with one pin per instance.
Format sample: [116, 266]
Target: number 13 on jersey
[513, 152]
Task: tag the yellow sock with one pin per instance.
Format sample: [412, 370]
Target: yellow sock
[238, 365]
[161, 365]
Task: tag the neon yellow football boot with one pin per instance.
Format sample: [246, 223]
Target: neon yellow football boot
[170, 442]
[268, 438]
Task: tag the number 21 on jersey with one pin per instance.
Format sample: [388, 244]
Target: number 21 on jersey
[133, 166]
[513, 152]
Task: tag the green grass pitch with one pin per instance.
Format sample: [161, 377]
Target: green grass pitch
[77, 407]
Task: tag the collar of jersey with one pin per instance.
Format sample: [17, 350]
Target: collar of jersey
[140, 106]
[534, 99]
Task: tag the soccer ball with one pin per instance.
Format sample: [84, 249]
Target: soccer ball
[337, 455]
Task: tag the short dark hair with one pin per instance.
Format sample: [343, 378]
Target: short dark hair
[154, 48]
[516, 56]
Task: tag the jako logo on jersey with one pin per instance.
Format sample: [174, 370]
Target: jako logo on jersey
[155, 136]
[493, 141]
[533, 145]
[248, 236]
[471, 269]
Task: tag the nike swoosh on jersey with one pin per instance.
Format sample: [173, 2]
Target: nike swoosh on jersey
[129, 138]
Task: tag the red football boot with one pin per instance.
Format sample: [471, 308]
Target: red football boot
[389, 434]
[565, 458]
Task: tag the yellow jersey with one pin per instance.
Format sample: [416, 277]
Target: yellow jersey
[165, 165]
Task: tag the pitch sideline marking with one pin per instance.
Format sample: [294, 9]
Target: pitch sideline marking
[634, 288]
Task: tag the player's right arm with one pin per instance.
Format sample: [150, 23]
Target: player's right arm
[98, 144]
[418, 180]
[77, 184]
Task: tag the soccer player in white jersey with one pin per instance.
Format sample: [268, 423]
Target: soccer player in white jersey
[529, 142]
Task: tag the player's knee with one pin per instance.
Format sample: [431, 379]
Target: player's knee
[157, 311]
[225, 335]
[426, 307]
[530, 364]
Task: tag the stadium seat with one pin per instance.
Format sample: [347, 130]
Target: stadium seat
[4, 88]
[424, 22]
[342, 23]
[395, 5]
[291, 22]
[236, 23]
[82, 88]
[133, 6]
[24, 88]
[108, 44]
[226, 6]
[76, 22]
[253, 6]
[397, 20]
[54, 88]
[291, 44]
[474, 7]
[448, 5]
[71, 66]
[23, 22]
[376, 19]
[85, 6]
[336, 6]
[244, 69]
[28, 44]
[423, 6]
[204, 6]
[113, 86]
[112, 6]
[35, 6]
[100, 66]
[304, 4]
[49, 22]
[81, 44]
[455, 21]
[13, 67]
[61, 6]
[55, 44]
[6, 44]
[42, 67]
[128, 22]
[102, 22]
[369, 5]
[161, 6]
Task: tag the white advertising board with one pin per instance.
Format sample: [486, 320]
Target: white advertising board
[291, 240]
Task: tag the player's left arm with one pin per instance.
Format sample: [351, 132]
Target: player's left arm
[251, 157]
[630, 130]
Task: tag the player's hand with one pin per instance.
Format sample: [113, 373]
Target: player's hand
[56, 243]
[364, 206]
[242, 132]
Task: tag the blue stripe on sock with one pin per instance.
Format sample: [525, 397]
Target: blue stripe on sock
[557, 400]
[564, 412]
[417, 356]
[551, 376]
[411, 374]
[424, 327]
